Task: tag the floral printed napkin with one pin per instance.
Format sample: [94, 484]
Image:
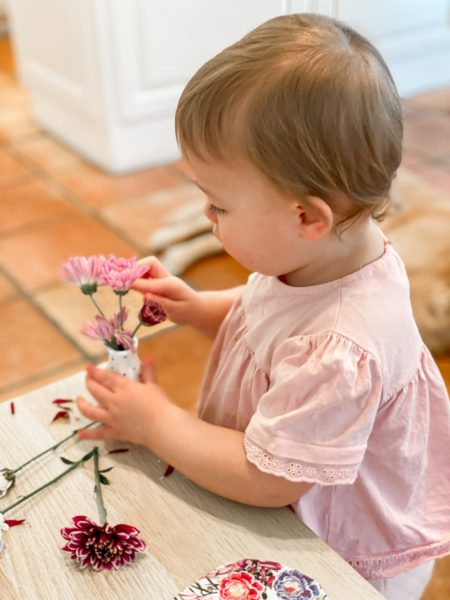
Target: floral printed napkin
[251, 579]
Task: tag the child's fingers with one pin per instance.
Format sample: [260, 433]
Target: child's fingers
[167, 287]
[99, 433]
[147, 371]
[95, 413]
[100, 392]
[155, 268]
[104, 377]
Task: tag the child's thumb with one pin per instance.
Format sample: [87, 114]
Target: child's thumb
[147, 374]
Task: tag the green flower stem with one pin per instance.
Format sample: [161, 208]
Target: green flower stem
[120, 312]
[91, 296]
[98, 489]
[49, 483]
[136, 329]
[73, 434]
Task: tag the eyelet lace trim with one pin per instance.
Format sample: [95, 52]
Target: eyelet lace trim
[296, 470]
[382, 566]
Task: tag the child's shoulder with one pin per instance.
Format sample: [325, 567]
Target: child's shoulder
[368, 311]
[375, 310]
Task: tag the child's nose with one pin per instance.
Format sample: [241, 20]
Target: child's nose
[209, 213]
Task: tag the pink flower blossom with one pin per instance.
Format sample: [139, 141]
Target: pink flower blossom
[99, 329]
[121, 273]
[264, 571]
[119, 318]
[110, 332]
[240, 586]
[101, 546]
[125, 339]
[84, 271]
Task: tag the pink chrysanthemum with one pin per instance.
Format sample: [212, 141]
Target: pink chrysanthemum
[152, 313]
[84, 271]
[125, 340]
[99, 329]
[119, 318]
[101, 546]
[121, 273]
[110, 332]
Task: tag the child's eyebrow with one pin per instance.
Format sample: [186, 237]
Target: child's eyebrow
[198, 185]
[204, 190]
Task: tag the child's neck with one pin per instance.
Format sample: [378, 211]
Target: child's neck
[338, 256]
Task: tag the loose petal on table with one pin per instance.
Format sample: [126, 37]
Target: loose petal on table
[61, 414]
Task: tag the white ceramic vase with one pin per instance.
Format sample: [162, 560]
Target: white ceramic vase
[124, 362]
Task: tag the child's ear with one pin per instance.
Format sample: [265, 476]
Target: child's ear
[315, 218]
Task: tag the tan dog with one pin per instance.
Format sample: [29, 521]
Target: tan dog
[418, 226]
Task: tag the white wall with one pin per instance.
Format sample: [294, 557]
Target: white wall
[105, 75]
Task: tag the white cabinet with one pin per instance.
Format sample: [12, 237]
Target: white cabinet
[105, 75]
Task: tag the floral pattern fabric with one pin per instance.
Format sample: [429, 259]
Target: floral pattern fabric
[252, 579]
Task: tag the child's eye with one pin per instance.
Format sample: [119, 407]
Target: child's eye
[216, 210]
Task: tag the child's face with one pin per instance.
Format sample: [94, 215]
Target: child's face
[256, 224]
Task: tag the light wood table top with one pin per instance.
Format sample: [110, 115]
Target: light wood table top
[189, 531]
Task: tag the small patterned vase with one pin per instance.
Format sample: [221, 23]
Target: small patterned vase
[124, 362]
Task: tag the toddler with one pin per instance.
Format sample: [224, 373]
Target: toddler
[319, 391]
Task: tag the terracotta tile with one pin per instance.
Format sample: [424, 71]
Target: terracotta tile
[216, 273]
[6, 57]
[29, 202]
[7, 289]
[139, 218]
[429, 134]
[34, 345]
[47, 153]
[410, 110]
[11, 170]
[16, 124]
[40, 380]
[69, 309]
[179, 355]
[439, 586]
[436, 100]
[12, 95]
[99, 189]
[34, 257]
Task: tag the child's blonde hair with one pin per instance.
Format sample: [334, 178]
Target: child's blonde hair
[309, 101]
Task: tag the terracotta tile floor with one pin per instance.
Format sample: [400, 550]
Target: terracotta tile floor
[54, 205]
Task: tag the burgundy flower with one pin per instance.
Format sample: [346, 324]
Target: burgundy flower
[101, 546]
[152, 313]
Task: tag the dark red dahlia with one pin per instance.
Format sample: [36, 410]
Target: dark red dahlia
[101, 546]
[152, 313]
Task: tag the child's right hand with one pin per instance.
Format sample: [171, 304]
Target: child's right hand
[181, 303]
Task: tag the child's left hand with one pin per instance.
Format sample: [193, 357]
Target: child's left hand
[125, 408]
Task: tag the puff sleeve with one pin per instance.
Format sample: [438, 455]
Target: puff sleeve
[314, 421]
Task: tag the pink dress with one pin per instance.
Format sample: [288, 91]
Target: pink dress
[333, 385]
